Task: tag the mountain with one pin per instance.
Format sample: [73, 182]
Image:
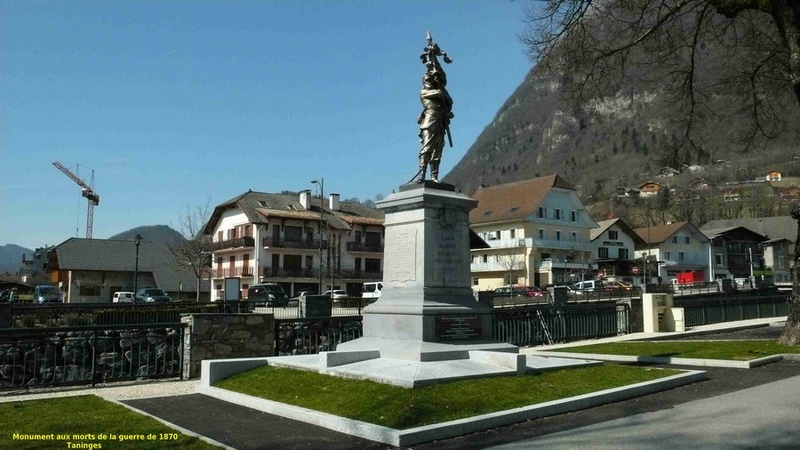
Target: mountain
[161, 234]
[11, 258]
[613, 143]
[621, 138]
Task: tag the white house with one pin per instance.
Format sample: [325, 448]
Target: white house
[538, 232]
[297, 241]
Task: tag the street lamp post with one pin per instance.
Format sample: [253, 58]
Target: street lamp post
[321, 184]
[137, 240]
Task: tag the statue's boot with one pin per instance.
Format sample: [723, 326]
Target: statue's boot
[435, 172]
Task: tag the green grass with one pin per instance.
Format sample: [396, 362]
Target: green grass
[730, 350]
[401, 408]
[83, 420]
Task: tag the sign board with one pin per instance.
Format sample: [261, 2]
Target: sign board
[458, 328]
[232, 289]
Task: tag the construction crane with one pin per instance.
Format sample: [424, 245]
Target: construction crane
[86, 191]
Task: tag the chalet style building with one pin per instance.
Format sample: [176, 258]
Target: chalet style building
[296, 240]
[671, 249]
[538, 233]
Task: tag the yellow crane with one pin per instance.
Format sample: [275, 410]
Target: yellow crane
[86, 191]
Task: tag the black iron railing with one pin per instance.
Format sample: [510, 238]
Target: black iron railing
[697, 311]
[36, 357]
[314, 335]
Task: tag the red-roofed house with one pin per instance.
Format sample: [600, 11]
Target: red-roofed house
[538, 233]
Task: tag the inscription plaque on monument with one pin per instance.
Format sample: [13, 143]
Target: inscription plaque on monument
[458, 328]
[402, 265]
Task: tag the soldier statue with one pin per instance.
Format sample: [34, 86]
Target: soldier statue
[434, 120]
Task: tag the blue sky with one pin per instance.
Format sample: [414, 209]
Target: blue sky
[175, 104]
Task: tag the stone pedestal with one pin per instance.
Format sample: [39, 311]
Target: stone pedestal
[427, 311]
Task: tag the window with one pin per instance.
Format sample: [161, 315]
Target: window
[623, 253]
[292, 234]
[475, 281]
[719, 260]
[687, 240]
[681, 256]
[573, 216]
[666, 256]
[558, 235]
[602, 252]
[542, 212]
[613, 234]
[90, 291]
[674, 239]
[574, 237]
[541, 233]
[263, 203]
[557, 214]
[513, 233]
[372, 265]
[485, 258]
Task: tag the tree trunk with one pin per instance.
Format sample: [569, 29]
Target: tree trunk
[791, 332]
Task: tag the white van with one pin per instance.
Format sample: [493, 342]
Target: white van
[587, 286]
[122, 297]
[371, 290]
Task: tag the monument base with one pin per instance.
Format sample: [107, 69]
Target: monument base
[414, 350]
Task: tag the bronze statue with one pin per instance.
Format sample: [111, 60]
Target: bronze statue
[434, 120]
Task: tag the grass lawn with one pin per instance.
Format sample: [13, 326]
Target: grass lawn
[731, 350]
[85, 422]
[401, 408]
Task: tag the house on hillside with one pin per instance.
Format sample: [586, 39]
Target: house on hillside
[736, 252]
[91, 270]
[297, 241]
[671, 249]
[773, 175]
[668, 172]
[614, 244]
[538, 233]
[649, 189]
[780, 233]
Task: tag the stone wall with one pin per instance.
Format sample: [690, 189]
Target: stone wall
[223, 336]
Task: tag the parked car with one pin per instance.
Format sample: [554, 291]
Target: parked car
[272, 294]
[618, 286]
[518, 291]
[371, 290]
[588, 286]
[47, 293]
[336, 294]
[152, 295]
[123, 297]
[531, 291]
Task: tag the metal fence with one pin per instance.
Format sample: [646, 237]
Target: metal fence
[314, 335]
[717, 310]
[71, 315]
[549, 324]
[61, 356]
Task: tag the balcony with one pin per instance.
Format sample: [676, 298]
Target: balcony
[291, 272]
[308, 244]
[364, 247]
[562, 245]
[496, 266]
[242, 242]
[227, 272]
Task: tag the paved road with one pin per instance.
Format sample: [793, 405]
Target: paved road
[724, 385]
[760, 417]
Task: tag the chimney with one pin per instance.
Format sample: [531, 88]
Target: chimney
[333, 205]
[305, 199]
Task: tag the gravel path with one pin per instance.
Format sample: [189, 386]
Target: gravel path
[116, 391]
